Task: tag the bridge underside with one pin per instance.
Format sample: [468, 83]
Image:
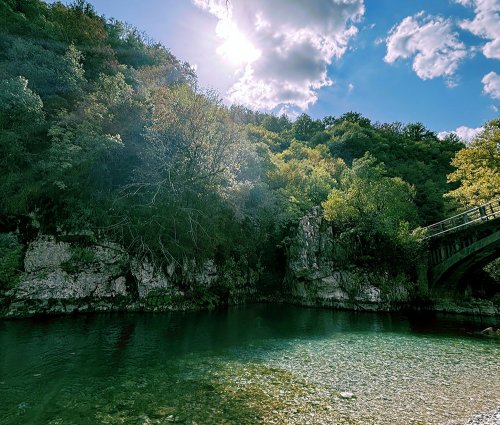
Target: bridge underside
[453, 256]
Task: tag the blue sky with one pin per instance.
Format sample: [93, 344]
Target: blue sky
[433, 61]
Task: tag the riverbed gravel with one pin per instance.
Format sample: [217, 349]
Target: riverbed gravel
[402, 380]
[363, 373]
[492, 418]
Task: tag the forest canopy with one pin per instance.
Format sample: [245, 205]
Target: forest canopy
[104, 132]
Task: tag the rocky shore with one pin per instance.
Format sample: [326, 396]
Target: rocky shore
[486, 419]
[489, 418]
[61, 277]
[313, 279]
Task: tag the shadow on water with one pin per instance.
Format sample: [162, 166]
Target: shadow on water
[454, 325]
[109, 342]
[166, 363]
[176, 333]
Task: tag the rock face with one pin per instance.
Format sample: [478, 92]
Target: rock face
[46, 275]
[51, 285]
[314, 279]
[62, 278]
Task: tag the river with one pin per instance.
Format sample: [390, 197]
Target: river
[245, 365]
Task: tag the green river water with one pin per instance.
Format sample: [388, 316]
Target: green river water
[246, 365]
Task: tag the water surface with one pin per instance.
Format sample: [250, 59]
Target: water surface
[245, 365]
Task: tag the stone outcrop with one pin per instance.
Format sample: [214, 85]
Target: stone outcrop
[313, 279]
[49, 285]
[60, 277]
[46, 278]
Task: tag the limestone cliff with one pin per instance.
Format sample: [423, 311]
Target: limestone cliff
[60, 277]
[315, 278]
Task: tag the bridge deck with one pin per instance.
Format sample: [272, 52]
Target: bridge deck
[474, 216]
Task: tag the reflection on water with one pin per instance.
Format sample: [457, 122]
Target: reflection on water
[223, 366]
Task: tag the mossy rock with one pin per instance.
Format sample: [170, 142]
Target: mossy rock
[11, 258]
[81, 257]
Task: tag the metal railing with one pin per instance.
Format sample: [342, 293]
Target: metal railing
[474, 216]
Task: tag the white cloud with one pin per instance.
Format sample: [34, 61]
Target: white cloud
[491, 84]
[431, 42]
[464, 133]
[350, 87]
[486, 24]
[281, 49]
[467, 134]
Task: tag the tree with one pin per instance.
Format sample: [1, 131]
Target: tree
[276, 124]
[183, 198]
[305, 127]
[77, 169]
[354, 117]
[54, 75]
[478, 169]
[191, 142]
[21, 110]
[417, 132]
[372, 216]
[410, 152]
[302, 177]
[22, 122]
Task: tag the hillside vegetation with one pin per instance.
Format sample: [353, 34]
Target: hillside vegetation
[104, 134]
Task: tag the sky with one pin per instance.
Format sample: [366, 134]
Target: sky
[430, 61]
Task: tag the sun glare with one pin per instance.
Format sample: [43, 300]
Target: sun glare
[236, 48]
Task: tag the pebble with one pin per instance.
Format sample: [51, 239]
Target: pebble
[401, 379]
[485, 419]
[346, 394]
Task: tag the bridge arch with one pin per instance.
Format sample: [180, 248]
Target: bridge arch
[463, 242]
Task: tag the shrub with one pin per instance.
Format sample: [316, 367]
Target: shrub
[11, 255]
[81, 257]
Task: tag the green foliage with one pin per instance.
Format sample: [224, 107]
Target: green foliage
[372, 216]
[234, 273]
[411, 152]
[22, 121]
[133, 49]
[190, 142]
[165, 297]
[21, 110]
[276, 142]
[203, 298]
[81, 257]
[57, 76]
[304, 128]
[188, 180]
[478, 169]
[493, 269]
[276, 124]
[395, 288]
[104, 132]
[11, 255]
[301, 178]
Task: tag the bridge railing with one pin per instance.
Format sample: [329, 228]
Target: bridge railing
[476, 215]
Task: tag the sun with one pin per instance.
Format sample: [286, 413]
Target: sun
[236, 49]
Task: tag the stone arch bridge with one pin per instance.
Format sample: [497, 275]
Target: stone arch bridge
[462, 243]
